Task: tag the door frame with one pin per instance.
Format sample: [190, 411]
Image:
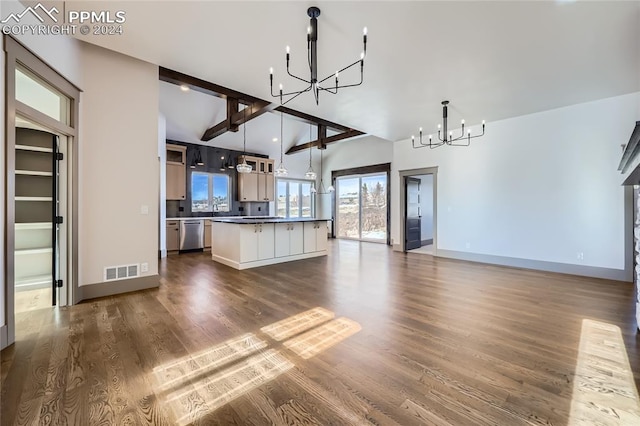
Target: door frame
[402, 174]
[16, 53]
[365, 170]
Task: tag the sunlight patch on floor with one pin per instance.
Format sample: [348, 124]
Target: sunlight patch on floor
[604, 391]
[200, 383]
[321, 338]
[298, 323]
[213, 391]
[193, 366]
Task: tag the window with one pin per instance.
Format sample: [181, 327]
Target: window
[210, 192]
[293, 198]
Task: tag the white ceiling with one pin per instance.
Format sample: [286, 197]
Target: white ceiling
[492, 60]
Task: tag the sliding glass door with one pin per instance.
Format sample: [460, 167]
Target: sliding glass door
[361, 202]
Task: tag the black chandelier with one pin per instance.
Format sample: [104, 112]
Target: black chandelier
[315, 85]
[445, 138]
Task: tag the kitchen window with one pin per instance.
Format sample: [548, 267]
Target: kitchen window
[293, 198]
[210, 192]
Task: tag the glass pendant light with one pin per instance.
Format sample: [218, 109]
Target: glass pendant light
[281, 171]
[311, 175]
[244, 167]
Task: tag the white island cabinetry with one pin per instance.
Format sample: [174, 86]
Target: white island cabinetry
[249, 243]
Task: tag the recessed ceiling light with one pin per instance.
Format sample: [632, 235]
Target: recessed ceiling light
[275, 139]
[184, 87]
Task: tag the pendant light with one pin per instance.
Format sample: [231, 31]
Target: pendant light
[311, 175]
[322, 191]
[244, 167]
[281, 171]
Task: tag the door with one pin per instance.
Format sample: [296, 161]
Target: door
[413, 225]
[362, 207]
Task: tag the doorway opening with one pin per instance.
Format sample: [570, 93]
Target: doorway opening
[418, 210]
[41, 192]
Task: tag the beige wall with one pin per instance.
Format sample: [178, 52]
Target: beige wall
[119, 166]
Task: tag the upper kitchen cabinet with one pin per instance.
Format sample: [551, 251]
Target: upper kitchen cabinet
[259, 185]
[176, 172]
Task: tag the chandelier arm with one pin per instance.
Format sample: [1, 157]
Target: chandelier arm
[297, 92]
[293, 97]
[339, 71]
[296, 77]
[333, 90]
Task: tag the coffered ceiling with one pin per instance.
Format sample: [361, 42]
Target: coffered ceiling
[492, 60]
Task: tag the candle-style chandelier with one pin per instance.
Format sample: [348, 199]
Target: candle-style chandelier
[314, 84]
[445, 137]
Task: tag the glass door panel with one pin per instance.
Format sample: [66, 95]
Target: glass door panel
[373, 190]
[348, 207]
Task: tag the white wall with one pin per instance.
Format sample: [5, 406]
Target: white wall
[542, 187]
[426, 206]
[365, 151]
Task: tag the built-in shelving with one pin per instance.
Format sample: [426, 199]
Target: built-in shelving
[33, 148]
[34, 176]
[33, 173]
[34, 198]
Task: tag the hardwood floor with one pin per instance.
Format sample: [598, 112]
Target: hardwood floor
[363, 336]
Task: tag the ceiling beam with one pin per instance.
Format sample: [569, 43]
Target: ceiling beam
[235, 118]
[335, 138]
[310, 119]
[194, 83]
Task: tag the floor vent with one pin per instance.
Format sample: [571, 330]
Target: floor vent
[112, 273]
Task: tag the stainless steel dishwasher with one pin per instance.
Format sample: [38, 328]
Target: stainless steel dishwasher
[191, 234]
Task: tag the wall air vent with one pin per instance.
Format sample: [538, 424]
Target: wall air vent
[122, 272]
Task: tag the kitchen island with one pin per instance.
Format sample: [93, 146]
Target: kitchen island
[249, 242]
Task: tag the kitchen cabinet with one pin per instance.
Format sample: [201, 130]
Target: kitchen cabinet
[289, 239]
[315, 236]
[266, 187]
[259, 185]
[247, 186]
[173, 235]
[243, 243]
[256, 242]
[176, 187]
[207, 234]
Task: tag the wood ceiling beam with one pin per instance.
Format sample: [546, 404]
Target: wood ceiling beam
[351, 133]
[310, 119]
[235, 118]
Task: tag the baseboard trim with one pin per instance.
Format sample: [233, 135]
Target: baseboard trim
[397, 247]
[4, 337]
[426, 242]
[112, 288]
[540, 265]
[271, 261]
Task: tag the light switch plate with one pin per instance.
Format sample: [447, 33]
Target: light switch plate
[144, 267]
[144, 209]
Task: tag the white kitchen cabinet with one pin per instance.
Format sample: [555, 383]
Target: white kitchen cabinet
[315, 236]
[289, 239]
[256, 242]
[238, 243]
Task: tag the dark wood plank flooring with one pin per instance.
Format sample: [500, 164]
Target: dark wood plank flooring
[363, 336]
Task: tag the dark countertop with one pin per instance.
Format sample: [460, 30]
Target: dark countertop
[258, 220]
